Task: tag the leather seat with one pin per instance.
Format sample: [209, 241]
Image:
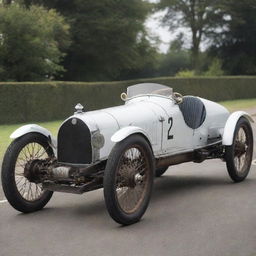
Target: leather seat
[193, 111]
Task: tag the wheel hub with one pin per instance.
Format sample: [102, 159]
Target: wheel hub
[31, 171]
[131, 179]
[138, 179]
[240, 148]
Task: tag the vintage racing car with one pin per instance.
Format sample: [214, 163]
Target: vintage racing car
[123, 148]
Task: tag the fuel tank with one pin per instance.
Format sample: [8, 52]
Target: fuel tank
[212, 129]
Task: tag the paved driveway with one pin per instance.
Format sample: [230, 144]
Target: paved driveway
[195, 211]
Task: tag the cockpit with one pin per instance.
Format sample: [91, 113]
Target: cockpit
[192, 108]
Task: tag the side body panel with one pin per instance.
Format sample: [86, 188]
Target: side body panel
[176, 135]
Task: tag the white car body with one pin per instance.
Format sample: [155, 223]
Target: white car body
[147, 111]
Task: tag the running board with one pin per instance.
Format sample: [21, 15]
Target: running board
[52, 186]
[197, 156]
[175, 159]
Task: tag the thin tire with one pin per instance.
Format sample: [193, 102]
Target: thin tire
[23, 195]
[239, 155]
[128, 180]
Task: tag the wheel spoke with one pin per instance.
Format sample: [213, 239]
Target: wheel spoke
[30, 191]
[242, 154]
[130, 192]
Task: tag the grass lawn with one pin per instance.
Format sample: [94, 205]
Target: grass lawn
[234, 105]
[6, 130]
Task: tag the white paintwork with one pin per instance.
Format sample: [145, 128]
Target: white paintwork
[213, 126]
[151, 114]
[103, 122]
[141, 113]
[34, 128]
[230, 126]
[127, 131]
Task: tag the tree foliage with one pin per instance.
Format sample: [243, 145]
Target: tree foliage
[177, 58]
[202, 17]
[236, 45]
[31, 43]
[215, 68]
[109, 38]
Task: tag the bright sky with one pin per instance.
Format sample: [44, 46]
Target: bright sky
[155, 28]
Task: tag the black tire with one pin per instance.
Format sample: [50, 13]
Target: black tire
[241, 148]
[160, 171]
[117, 179]
[10, 165]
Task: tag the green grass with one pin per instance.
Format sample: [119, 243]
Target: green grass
[6, 130]
[239, 104]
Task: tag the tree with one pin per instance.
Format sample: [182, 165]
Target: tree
[236, 46]
[31, 43]
[7, 2]
[176, 59]
[147, 61]
[107, 37]
[202, 17]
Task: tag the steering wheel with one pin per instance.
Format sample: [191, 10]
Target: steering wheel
[178, 97]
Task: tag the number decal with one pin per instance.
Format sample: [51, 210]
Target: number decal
[169, 136]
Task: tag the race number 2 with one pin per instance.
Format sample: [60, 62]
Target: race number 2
[169, 136]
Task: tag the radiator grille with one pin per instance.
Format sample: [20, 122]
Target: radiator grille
[74, 142]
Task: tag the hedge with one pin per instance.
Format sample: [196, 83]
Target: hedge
[44, 101]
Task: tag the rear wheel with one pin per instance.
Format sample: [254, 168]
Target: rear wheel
[22, 188]
[239, 155]
[128, 180]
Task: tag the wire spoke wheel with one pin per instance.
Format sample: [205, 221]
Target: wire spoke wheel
[128, 179]
[242, 150]
[21, 181]
[239, 155]
[29, 190]
[131, 179]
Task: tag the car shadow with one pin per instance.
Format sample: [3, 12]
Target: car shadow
[165, 189]
[173, 184]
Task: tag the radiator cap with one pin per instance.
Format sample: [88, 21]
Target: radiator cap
[79, 108]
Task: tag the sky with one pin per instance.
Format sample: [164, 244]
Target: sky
[155, 28]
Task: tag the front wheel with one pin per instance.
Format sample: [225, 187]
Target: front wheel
[128, 179]
[239, 155]
[21, 187]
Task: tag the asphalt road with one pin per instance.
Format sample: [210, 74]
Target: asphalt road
[195, 210]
